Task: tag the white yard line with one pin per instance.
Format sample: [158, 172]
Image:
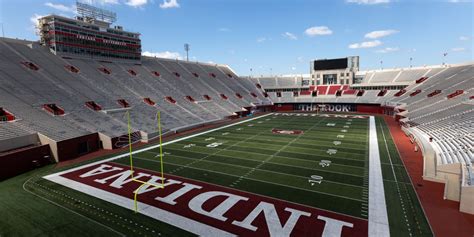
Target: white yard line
[411, 181]
[378, 219]
[239, 166]
[194, 227]
[295, 152]
[388, 153]
[181, 222]
[258, 180]
[70, 210]
[153, 147]
[309, 163]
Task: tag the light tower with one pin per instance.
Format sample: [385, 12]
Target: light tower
[186, 48]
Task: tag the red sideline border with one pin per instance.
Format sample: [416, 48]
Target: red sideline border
[443, 215]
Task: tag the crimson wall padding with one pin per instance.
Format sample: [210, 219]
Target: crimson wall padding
[17, 162]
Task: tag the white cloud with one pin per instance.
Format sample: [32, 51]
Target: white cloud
[318, 30]
[366, 44]
[459, 1]
[34, 22]
[388, 50]
[293, 68]
[380, 33]
[61, 7]
[224, 29]
[165, 54]
[458, 49]
[169, 4]
[464, 38]
[368, 2]
[136, 3]
[101, 2]
[261, 39]
[289, 36]
[300, 59]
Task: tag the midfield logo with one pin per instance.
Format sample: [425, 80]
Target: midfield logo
[288, 132]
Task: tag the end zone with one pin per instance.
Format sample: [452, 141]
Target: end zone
[206, 209]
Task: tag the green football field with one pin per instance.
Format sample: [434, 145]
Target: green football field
[248, 157]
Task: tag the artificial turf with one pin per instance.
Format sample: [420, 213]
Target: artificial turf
[248, 158]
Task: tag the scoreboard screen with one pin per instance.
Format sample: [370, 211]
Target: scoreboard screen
[330, 64]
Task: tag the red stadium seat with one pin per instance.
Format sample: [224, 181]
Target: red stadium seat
[149, 101]
[123, 103]
[93, 105]
[53, 109]
[72, 68]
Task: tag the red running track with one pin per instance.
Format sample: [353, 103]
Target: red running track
[443, 215]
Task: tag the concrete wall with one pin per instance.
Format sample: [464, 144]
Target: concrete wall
[52, 145]
[106, 141]
[69, 149]
[17, 142]
[466, 204]
[451, 174]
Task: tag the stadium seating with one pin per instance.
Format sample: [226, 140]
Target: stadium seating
[437, 102]
[34, 80]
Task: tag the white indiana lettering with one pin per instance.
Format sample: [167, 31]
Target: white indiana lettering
[275, 227]
[333, 227]
[102, 169]
[218, 212]
[170, 199]
[121, 178]
[151, 184]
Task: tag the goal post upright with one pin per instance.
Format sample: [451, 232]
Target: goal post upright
[143, 183]
[130, 141]
[158, 115]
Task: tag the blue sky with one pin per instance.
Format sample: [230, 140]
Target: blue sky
[280, 36]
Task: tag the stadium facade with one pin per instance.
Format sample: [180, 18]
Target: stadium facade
[84, 87]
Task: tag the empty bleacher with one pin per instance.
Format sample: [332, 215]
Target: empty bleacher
[24, 91]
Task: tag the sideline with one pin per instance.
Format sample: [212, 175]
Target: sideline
[152, 147]
[378, 219]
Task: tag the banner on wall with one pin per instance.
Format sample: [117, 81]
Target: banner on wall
[328, 107]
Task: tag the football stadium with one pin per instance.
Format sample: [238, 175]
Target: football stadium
[100, 137]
